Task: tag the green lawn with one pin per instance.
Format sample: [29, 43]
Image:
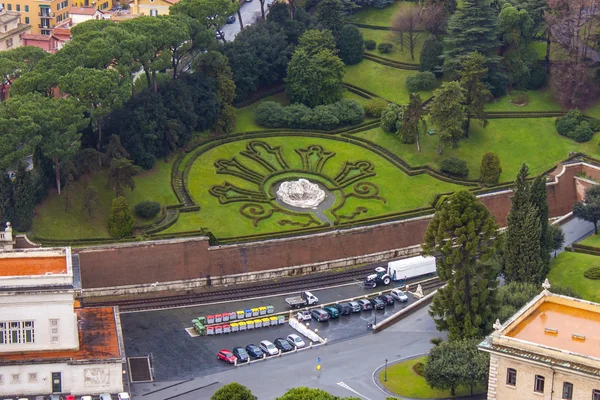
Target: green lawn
[567, 270]
[53, 222]
[397, 54]
[400, 191]
[537, 100]
[379, 16]
[531, 140]
[245, 116]
[387, 82]
[403, 381]
[593, 241]
[556, 52]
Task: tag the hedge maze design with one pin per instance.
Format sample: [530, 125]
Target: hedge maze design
[259, 203]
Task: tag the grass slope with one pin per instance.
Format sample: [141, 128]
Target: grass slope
[593, 241]
[379, 16]
[53, 222]
[567, 270]
[531, 140]
[396, 54]
[538, 100]
[403, 381]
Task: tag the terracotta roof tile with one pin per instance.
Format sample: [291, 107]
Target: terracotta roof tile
[33, 36]
[98, 340]
[83, 10]
[32, 265]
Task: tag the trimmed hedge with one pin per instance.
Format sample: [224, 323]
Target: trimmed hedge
[455, 166]
[574, 126]
[592, 273]
[370, 44]
[147, 209]
[345, 112]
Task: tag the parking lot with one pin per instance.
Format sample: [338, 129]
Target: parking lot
[176, 355]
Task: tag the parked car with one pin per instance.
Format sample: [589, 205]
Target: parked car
[378, 304]
[319, 314]
[283, 345]
[296, 341]
[86, 398]
[105, 396]
[123, 396]
[387, 299]
[241, 354]
[344, 308]
[230, 20]
[268, 348]
[332, 311]
[365, 304]
[254, 351]
[303, 315]
[399, 295]
[225, 355]
[356, 307]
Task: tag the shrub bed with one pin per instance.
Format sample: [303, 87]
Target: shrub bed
[421, 81]
[345, 112]
[147, 209]
[574, 126]
[454, 166]
[375, 107]
[370, 44]
[592, 273]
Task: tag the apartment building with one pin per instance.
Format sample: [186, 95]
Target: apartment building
[11, 29]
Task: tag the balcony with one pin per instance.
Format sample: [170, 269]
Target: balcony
[46, 14]
[42, 26]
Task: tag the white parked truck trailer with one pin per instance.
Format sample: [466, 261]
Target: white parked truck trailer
[401, 270]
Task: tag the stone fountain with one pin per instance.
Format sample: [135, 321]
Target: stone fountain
[301, 193]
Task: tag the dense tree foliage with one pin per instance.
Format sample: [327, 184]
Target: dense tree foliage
[351, 45]
[304, 393]
[476, 93]
[120, 219]
[330, 16]
[461, 236]
[589, 208]
[516, 29]
[233, 391]
[413, 120]
[431, 55]
[23, 199]
[447, 113]
[490, 168]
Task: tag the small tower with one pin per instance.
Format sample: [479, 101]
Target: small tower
[6, 238]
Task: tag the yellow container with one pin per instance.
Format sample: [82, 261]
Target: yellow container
[266, 321]
[262, 310]
[255, 312]
[274, 320]
[240, 314]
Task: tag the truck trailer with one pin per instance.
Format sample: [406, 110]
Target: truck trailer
[401, 270]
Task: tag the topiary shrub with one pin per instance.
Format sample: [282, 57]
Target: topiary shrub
[370, 44]
[351, 45]
[421, 81]
[490, 168]
[568, 122]
[592, 273]
[298, 116]
[385, 47]
[582, 133]
[147, 209]
[455, 166]
[375, 107]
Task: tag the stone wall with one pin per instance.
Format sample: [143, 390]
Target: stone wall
[193, 258]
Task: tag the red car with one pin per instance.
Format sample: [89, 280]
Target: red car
[226, 355]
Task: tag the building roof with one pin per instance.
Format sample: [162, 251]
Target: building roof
[7, 16]
[84, 10]
[172, 1]
[28, 266]
[98, 341]
[561, 326]
[34, 36]
[19, 29]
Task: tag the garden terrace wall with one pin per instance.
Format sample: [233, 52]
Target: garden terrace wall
[193, 258]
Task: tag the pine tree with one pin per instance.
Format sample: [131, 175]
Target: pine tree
[351, 45]
[120, 220]
[476, 93]
[431, 55]
[522, 251]
[490, 168]
[447, 113]
[23, 197]
[473, 27]
[461, 236]
[7, 206]
[540, 202]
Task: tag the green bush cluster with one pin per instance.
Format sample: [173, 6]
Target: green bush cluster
[490, 168]
[370, 44]
[592, 273]
[147, 209]
[375, 107]
[421, 81]
[573, 125]
[454, 166]
[271, 114]
[385, 47]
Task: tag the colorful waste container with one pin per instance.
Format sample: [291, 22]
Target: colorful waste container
[240, 314]
[218, 318]
[250, 324]
[232, 316]
[235, 327]
[218, 329]
[226, 328]
[225, 317]
[270, 309]
[210, 319]
[258, 323]
[242, 325]
[266, 321]
[210, 330]
[255, 312]
[274, 320]
[262, 310]
[248, 313]
[202, 320]
[281, 319]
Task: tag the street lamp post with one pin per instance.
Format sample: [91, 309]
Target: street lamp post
[385, 372]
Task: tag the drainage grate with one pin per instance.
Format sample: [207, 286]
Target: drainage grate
[140, 369]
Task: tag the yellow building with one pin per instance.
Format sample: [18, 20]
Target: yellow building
[550, 349]
[44, 15]
[152, 7]
[11, 30]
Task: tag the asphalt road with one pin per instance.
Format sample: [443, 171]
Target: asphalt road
[576, 230]
[346, 367]
[250, 12]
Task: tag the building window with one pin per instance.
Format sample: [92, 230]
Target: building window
[539, 384]
[5, 28]
[595, 394]
[26, 8]
[567, 391]
[511, 376]
[18, 7]
[153, 13]
[9, 7]
[32, 377]
[26, 20]
[16, 331]
[14, 378]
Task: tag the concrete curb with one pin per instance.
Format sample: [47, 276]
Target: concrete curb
[377, 382]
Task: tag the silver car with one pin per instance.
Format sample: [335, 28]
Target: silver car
[355, 306]
[399, 295]
[296, 341]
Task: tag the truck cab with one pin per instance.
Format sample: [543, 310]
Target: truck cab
[310, 298]
[380, 277]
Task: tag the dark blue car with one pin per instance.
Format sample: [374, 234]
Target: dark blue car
[254, 351]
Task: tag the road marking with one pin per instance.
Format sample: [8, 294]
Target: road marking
[342, 384]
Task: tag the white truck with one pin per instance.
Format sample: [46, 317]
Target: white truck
[401, 270]
[306, 298]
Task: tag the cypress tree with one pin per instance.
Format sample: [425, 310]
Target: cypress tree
[24, 199]
[461, 235]
[7, 207]
[539, 200]
[473, 27]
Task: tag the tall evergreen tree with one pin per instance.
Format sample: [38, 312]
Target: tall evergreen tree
[447, 113]
[522, 251]
[24, 201]
[7, 206]
[330, 15]
[461, 236]
[476, 93]
[540, 202]
[473, 27]
[120, 219]
[412, 120]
